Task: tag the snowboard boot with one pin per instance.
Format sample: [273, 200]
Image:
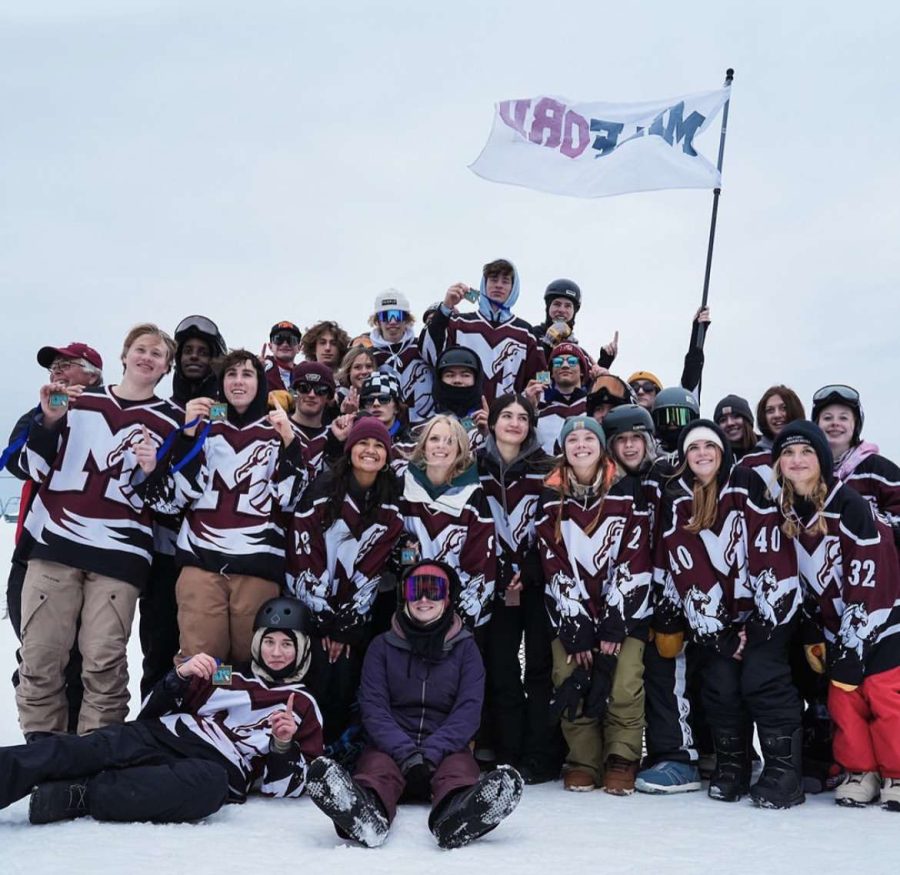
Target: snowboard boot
[471, 812]
[58, 800]
[890, 794]
[355, 810]
[731, 777]
[781, 783]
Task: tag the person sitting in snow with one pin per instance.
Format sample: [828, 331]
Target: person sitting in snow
[420, 698]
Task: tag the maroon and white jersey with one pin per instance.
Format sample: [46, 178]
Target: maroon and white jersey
[759, 461]
[453, 524]
[553, 413]
[88, 513]
[510, 354]
[878, 480]
[595, 552]
[313, 441]
[234, 720]
[416, 375]
[233, 493]
[334, 568]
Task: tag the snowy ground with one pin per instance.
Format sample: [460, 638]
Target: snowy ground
[552, 831]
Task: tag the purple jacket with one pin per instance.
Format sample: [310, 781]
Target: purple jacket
[411, 706]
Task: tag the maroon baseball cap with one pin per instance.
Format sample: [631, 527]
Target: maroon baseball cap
[47, 354]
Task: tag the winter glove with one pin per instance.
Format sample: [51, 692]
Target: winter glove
[568, 695]
[668, 644]
[597, 697]
[282, 398]
[847, 688]
[417, 772]
[815, 656]
[404, 543]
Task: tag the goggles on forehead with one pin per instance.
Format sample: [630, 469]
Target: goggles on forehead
[198, 323]
[392, 315]
[559, 360]
[847, 393]
[425, 586]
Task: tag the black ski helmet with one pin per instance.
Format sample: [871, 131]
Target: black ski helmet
[458, 357]
[563, 288]
[285, 614]
[674, 406]
[847, 396]
[627, 417]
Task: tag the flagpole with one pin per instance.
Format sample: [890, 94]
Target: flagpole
[701, 328]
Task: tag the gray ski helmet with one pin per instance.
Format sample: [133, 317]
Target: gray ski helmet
[837, 393]
[458, 357]
[627, 417]
[563, 288]
[674, 406]
[203, 328]
[285, 614]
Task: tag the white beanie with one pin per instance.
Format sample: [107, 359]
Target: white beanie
[391, 299]
[702, 433]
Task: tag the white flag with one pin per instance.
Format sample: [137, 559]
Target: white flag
[601, 149]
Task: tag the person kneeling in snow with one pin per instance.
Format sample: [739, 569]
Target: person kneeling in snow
[206, 735]
[420, 698]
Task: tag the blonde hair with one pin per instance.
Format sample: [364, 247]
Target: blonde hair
[792, 525]
[156, 331]
[464, 458]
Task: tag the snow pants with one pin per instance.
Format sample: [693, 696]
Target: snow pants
[379, 772]
[756, 688]
[334, 685]
[216, 612]
[158, 611]
[623, 723]
[667, 706]
[131, 775]
[517, 704]
[55, 598]
[867, 724]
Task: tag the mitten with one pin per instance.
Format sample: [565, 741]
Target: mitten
[597, 697]
[418, 779]
[668, 644]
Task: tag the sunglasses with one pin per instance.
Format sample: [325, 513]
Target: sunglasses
[369, 400]
[392, 316]
[847, 393]
[306, 388]
[425, 586]
[559, 360]
[644, 388]
[285, 338]
[65, 364]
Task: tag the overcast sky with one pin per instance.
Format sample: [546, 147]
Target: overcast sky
[289, 160]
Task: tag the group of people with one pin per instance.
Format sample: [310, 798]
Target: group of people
[362, 545]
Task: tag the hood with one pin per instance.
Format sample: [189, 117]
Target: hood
[183, 389]
[491, 453]
[259, 407]
[494, 312]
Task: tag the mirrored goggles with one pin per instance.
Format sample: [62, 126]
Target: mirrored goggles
[559, 360]
[839, 390]
[677, 416]
[306, 388]
[392, 316]
[425, 586]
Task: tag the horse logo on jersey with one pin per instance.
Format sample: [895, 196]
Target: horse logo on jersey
[568, 595]
[776, 600]
[126, 445]
[312, 592]
[365, 596]
[610, 535]
[259, 456]
[526, 514]
[857, 628]
[418, 382]
[704, 611]
[452, 545]
[506, 359]
[723, 547]
[475, 595]
[629, 595]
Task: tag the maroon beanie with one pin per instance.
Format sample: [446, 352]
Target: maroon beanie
[571, 349]
[368, 427]
[313, 373]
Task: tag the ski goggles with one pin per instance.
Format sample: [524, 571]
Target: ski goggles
[569, 360]
[284, 337]
[306, 388]
[392, 315]
[198, 323]
[644, 388]
[839, 390]
[425, 586]
[673, 416]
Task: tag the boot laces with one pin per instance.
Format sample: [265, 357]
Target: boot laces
[78, 797]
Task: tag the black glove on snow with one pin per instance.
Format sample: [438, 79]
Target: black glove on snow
[568, 695]
[597, 697]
